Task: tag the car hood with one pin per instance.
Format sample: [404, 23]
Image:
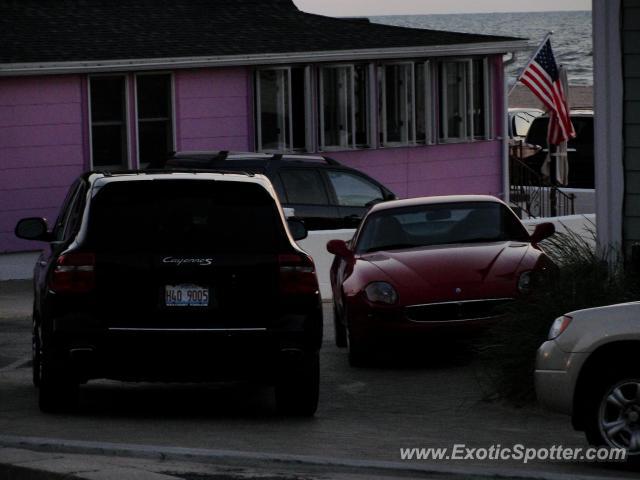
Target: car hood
[453, 272]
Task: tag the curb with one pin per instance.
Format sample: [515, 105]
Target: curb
[258, 459]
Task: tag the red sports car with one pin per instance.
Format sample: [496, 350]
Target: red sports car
[434, 266]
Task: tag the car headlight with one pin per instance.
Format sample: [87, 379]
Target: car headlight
[524, 282]
[559, 325]
[381, 292]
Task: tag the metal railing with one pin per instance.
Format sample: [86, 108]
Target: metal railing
[531, 192]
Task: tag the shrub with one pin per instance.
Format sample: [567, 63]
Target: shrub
[584, 279]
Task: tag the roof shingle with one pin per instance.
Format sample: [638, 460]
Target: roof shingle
[94, 30]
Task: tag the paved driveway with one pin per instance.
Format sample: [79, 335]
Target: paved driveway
[416, 400]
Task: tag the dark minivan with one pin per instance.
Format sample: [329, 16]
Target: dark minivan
[174, 277]
[323, 193]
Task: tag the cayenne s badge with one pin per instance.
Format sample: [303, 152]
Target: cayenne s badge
[202, 262]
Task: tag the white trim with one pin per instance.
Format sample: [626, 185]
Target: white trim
[127, 108]
[488, 100]
[409, 131]
[46, 68]
[609, 143]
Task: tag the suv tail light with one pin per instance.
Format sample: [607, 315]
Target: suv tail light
[74, 273]
[297, 274]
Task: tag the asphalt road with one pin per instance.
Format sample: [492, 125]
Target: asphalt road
[415, 399]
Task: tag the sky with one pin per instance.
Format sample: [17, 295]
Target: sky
[406, 7]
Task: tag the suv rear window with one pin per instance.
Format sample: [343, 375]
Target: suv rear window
[184, 217]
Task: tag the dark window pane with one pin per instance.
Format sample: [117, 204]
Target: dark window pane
[108, 122]
[304, 187]
[181, 217]
[336, 96]
[298, 108]
[155, 137]
[109, 145]
[273, 86]
[421, 102]
[455, 85]
[154, 96]
[154, 140]
[399, 103]
[360, 81]
[353, 190]
[479, 107]
[107, 99]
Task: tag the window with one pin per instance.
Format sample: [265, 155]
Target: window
[397, 104]
[155, 112]
[185, 217]
[353, 190]
[423, 102]
[108, 122]
[281, 95]
[343, 107]
[464, 100]
[481, 108]
[304, 187]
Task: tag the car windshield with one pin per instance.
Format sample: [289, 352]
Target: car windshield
[439, 224]
[185, 216]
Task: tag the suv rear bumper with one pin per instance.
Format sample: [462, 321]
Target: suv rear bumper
[181, 354]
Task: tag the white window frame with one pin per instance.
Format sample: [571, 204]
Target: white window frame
[467, 101]
[465, 96]
[127, 109]
[350, 107]
[135, 108]
[409, 117]
[287, 105]
[429, 103]
[488, 105]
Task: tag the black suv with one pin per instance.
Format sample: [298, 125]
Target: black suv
[323, 193]
[580, 149]
[174, 276]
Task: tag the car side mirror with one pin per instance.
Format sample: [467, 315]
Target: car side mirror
[33, 228]
[297, 229]
[339, 248]
[542, 231]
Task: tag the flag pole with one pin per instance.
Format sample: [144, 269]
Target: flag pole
[522, 70]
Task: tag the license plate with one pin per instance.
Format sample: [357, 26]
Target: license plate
[186, 296]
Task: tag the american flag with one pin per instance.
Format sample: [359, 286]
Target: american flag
[543, 78]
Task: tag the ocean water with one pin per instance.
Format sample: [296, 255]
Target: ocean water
[571, 39]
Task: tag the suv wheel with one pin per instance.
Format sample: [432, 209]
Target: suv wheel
[339, 329]
[297, 390]
[613, 413]
[57, 391]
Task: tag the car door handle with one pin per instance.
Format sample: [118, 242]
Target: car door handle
[352, 217]
[42, 263]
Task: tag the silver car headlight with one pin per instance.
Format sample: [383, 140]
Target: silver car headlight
[559, 325]
[381, 292]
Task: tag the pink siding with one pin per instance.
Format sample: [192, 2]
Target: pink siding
[41, 149]
[211, 109]
[464, 168]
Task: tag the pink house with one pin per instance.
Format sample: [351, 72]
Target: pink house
[90, 84]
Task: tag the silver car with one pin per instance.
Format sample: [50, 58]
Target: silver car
[590, 369]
